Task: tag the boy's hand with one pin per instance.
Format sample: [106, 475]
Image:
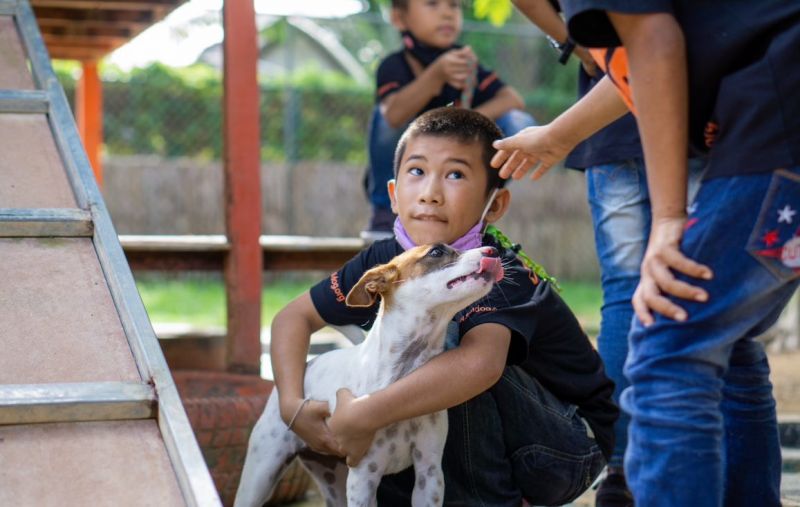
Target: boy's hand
[454, 66]
[347, 427]
[531, 148]
[310, 424]
[663, 255]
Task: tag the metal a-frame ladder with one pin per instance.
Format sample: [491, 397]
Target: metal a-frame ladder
[89, 414]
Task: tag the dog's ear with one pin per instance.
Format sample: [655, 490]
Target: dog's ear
[375, 281]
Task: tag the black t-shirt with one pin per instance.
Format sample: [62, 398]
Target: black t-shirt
[744, 74]
[546, 338]
[394, 73]
[615, 142]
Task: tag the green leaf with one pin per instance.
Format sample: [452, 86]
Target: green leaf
[496, 11]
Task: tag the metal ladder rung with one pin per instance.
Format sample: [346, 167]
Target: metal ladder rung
[45, 222]
[23, 101]
[77, 402]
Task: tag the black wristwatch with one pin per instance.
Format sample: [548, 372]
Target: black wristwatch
[564, 49]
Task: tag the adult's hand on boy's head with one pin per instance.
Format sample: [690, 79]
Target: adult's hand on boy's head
[353, 437]
[455, 66]
[661, 259]
[531, 148]
[311, 427]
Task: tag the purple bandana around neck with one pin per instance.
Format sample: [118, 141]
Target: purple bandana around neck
[473, 238]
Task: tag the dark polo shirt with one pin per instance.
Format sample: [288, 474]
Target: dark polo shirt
[394, 73]
[744, 74]
[546, 339]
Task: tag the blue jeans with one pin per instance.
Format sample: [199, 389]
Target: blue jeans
[620, 207]
[703, 428]
[515, 440]
[383, 141]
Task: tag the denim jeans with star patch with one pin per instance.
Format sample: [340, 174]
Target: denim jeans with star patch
[703, 429]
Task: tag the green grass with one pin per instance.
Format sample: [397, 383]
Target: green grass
[201, 301]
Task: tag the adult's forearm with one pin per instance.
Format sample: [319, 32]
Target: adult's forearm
[657, 60]
[595, 110]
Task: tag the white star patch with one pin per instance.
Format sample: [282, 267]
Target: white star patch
[786, 214]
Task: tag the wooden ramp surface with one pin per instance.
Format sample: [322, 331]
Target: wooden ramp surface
[89, 414]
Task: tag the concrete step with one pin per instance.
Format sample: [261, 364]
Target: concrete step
[790, 490]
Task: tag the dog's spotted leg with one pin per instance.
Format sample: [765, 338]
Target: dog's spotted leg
[330, 475]
[271, 449]
[426, 453]
[362, 484]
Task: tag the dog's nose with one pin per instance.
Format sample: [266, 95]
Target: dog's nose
[489, 251]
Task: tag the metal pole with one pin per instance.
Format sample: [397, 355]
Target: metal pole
[242, 186]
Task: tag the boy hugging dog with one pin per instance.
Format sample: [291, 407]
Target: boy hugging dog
[528, 403]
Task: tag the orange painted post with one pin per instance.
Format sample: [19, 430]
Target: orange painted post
[89, 115]
[242, 186]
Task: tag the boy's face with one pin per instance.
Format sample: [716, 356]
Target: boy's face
[436, 23]
[440, 189]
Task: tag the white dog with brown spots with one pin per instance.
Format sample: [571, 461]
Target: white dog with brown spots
[421, 290]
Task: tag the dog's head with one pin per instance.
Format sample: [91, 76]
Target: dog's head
[430, 275]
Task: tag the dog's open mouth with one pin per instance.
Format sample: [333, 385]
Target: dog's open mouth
[489, 269]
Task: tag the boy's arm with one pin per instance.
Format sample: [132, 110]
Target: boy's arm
[657, 60]
[504, 101]
[447, 380]
[452, 67]
[291, 334]
[540, 148]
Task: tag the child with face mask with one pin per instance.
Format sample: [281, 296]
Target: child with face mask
[530, 409]
[430, 71]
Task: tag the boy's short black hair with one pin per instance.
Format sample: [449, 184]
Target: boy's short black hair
[400, 4]
[462, 125]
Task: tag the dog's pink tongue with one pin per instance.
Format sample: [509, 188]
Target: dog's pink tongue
[492, 265]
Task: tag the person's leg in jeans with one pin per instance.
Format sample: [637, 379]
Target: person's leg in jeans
[476, 470]
[515, 440]
[382, 141]
[703, 426]
[554, 455]
[620, 206]
[751, 428]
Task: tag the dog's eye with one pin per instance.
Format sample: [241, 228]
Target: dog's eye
[435, 252]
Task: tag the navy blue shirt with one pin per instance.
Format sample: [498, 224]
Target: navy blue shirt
[613, 143]
[394, 73]
[744, 74]
[546, 339]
